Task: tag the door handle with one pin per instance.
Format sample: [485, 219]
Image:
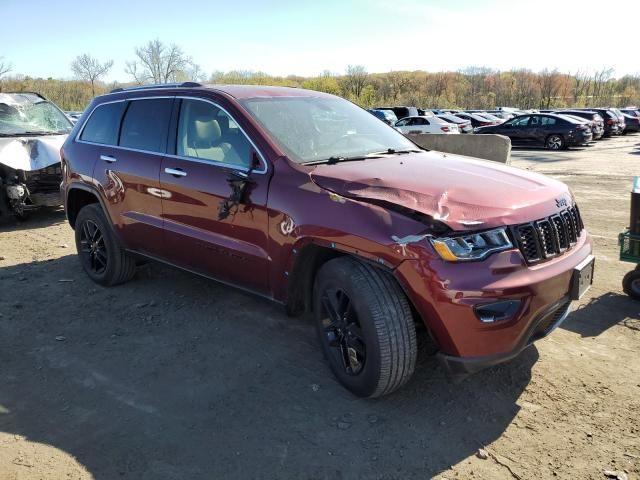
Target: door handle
[176, 172]
[108, 158]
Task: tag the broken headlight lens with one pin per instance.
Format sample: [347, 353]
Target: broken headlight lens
[472, 246]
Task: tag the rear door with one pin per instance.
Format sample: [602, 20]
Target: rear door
[129, 145]
[208, 229]
[538, 128]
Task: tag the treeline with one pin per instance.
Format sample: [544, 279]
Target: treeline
[473, 87]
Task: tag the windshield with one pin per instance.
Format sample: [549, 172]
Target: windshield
[310, 129]
[29, 114]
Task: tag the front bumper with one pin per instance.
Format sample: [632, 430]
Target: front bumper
[544, 323]
[446, 296]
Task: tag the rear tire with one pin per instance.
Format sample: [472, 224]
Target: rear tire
[631, 284]
[370, 343]
[555, 142]
[101, 257]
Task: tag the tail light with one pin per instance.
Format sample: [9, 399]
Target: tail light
[482, 124]
[611, 121]
[582, 127]
[444, 129]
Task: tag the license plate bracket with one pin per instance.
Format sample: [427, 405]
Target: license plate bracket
[582, 277]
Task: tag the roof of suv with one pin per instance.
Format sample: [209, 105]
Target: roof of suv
[236, 91]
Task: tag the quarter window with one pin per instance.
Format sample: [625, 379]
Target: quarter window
[145, 125]
[206, 132]
[102, 127]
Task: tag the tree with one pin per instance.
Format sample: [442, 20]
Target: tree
[355, 79]
[5, 67]
[160, 63]
[87, 68]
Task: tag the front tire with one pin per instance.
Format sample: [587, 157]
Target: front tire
[555, 142]
[102, 258]
[365, 327]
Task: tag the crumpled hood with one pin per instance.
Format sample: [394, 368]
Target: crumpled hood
[30, 153]
[464, 193]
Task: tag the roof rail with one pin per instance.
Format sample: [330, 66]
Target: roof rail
[157, 85]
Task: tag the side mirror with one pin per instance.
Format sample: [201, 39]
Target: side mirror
[255, 161]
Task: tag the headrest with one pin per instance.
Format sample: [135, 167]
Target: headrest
[206, 130]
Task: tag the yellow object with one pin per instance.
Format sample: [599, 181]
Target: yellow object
[443, 251]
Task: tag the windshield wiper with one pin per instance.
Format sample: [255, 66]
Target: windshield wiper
[334, 160]
[392, 151]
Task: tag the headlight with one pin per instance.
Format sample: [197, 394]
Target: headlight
[473, 246]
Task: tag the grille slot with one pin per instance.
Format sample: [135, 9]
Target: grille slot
[548, 237]
[528, 242]
[561, 232]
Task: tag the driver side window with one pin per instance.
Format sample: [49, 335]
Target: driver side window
[205, 132]
[521, 122]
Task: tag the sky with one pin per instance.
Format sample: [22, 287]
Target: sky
[40, 38]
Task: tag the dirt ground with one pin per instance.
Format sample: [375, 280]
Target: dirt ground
[175, 377]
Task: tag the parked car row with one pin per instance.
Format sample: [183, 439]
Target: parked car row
[553, 129]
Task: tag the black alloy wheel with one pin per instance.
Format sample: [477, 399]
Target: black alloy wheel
[342, 331]
[92, 247]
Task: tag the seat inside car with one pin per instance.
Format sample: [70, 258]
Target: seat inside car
[200, 135]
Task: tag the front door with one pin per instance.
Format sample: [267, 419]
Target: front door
[209, 228]
[517, 130]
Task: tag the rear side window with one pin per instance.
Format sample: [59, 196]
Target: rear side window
[145, 124]
[103, 124]
[546, 121]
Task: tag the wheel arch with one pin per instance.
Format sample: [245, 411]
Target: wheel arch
[308, 259]
[80, 195]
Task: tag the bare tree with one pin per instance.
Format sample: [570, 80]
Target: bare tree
[549, 86]
[160, 63]
[5, 67]
[85, 67]
[356, 79]
[398, 83]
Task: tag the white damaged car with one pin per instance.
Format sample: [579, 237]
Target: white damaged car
[32, 131]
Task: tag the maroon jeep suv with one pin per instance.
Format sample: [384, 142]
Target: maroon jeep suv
[307, 199]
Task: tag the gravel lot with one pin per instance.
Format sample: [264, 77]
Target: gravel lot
[175, 377]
